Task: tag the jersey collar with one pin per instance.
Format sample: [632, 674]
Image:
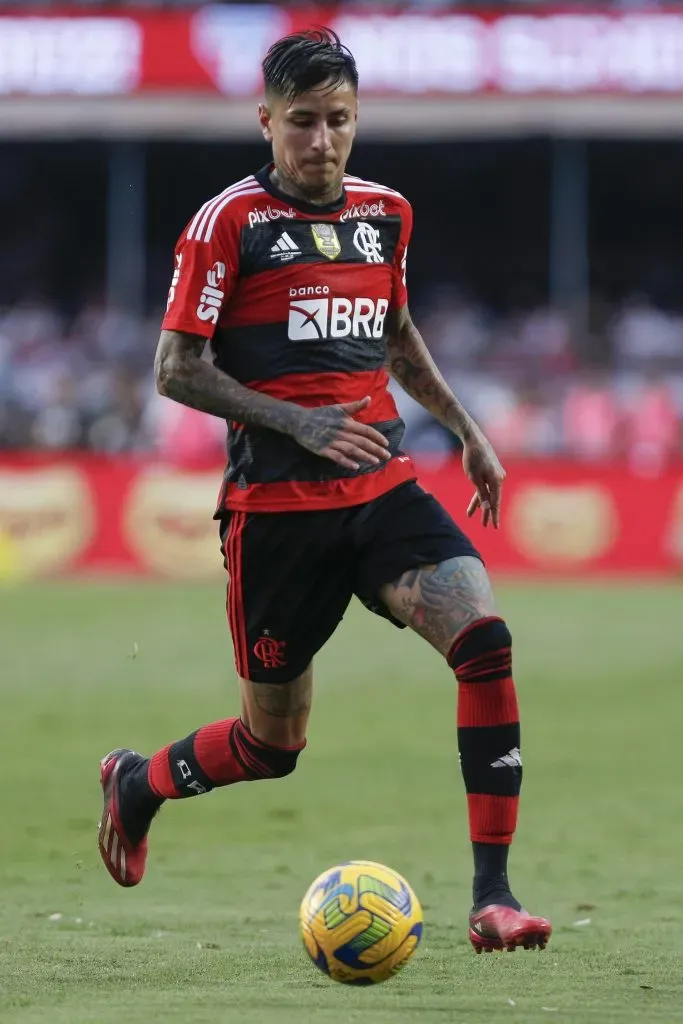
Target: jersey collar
[263, 178]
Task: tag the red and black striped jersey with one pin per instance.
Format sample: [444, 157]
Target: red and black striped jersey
[294, 297]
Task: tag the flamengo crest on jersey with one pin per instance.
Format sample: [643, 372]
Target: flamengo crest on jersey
[367, 240]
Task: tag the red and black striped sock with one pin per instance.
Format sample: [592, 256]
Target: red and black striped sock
[216, 755]
[489, 745]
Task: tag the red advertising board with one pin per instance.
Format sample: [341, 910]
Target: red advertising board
[218, 48]
[77, 515]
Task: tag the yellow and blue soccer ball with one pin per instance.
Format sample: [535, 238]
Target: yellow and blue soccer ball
[360, 922]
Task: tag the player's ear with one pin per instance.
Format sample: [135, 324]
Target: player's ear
[264, 121]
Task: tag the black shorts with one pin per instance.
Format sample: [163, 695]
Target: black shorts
[293, 574]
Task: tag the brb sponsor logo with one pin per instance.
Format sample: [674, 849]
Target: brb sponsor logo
[318, 319]
[364, 210]
[263, 216]
[212, 296]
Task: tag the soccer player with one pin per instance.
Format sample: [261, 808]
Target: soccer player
[296, 275]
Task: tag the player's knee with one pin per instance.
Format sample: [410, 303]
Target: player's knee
[483, 652]
[264, 760]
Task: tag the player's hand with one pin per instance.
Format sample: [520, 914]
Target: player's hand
[482, 467]
[332, 432]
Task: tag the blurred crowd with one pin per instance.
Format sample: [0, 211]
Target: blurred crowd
[538, 389]
[393, 5]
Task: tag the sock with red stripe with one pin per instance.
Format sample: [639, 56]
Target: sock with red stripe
[489, 742]
[216, 755]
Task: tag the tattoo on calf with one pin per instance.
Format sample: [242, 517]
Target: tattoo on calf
[439, 601]
[283, 700]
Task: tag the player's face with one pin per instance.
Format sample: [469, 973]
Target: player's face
[312, 137]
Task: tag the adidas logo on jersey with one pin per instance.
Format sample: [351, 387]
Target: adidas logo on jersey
[318, 319]
[285, 248]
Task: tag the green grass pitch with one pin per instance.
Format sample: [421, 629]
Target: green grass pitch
[211, 934]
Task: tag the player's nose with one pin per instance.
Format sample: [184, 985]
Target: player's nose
[321, 142]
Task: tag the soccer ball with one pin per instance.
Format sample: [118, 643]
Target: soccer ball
[360, 922]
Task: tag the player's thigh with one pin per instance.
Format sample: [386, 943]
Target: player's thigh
[418, 568]
[439, 601]
[288, 589]
[277, 713]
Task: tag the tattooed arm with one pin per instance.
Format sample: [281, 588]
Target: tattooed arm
[411, 366]
[329, 431]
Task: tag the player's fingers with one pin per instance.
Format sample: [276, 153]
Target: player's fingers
[364, 430]
[473, 505]
[339, 458]
[354, 451]
[496, 499]
[351, 408]
[364, 443]
[484, 504]
[483, 490]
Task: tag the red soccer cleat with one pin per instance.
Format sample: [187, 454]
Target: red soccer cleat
[124, 860]
[500, 927]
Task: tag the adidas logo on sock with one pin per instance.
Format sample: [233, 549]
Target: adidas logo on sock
[513, 759]
[285, 248]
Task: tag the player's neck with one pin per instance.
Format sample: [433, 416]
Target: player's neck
[289, 187]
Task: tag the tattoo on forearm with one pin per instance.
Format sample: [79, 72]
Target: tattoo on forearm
[183, 375]
[284, 700]
[439, 601]
[409, 363]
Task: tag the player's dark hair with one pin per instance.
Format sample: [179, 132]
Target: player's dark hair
[305, 60]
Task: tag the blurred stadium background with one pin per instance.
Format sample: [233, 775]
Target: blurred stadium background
[542, 150]
[542, 153]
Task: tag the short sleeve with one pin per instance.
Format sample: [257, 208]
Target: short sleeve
[399, 292]
[203, 279]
